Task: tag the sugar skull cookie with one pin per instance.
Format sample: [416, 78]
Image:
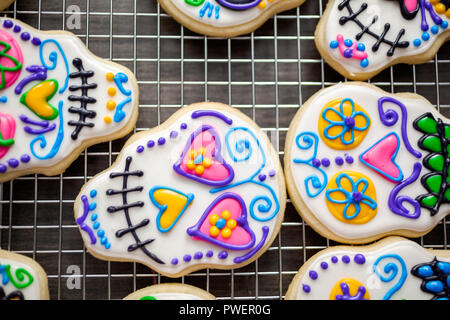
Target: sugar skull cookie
[225, 18]
[392, 269]
[170, 291]
[362, 163]
[56, 98]
[21, 278]
[360, 38]
[203, 190]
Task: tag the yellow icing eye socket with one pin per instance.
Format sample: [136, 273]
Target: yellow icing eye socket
[349, 288]
[351, 197]
[226, 214]
[231, 224]
[226, 232]
[207, 162]
[214, 231]
[343, 124]
[190, 164]
[213, 219]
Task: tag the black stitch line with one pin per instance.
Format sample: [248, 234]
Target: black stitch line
[84, 99]
[353, 16]
[126, 206]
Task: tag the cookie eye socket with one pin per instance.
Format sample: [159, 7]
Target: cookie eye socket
[239, 4]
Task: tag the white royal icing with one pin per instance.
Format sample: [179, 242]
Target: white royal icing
[31, 292]
[385, 220]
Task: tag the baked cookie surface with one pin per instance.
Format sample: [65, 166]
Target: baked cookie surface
[203, 190]
[170, 291]
[225, 18]
[391, 269]
[56, 99]
[360, 38]
[362, 163]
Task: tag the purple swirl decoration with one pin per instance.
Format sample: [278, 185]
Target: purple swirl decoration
[396, 202]
[390, 118]
[82, 224]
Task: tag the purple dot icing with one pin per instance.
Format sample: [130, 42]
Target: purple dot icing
[349, 122]
[25, 158]
[13, 163]
[349, 159]
[223, 255]
[3, 168]
[272, 173]
[326, 162]
[8, 24]
[209, 254]
[324, 265]
[359, 258]
[316, 163]
[357, 196]
[161, 141]
[306, 288]
[150, 143]
[313, 275]
[36, 41]
[187, 258]
[339, 161]
[17, 29]
[140, 149]
[173, 134]
[198, 255]
[183, 126]
[345, 259]
[262, 177]
[174, 261]
[334, 259]
[25, 36]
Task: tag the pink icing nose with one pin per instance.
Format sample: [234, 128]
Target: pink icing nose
[411, 5]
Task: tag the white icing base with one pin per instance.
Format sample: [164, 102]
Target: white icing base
[32, 292]
[385, 220]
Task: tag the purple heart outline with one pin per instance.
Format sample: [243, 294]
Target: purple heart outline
[216, 156]
[242, 222]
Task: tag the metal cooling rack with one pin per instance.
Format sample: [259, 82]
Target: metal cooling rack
[267, 75]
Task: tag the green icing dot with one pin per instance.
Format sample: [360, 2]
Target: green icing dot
[429, 201]
[427, 125]
[436, 162]
[432, 143]
[148, 298]
[434, 183]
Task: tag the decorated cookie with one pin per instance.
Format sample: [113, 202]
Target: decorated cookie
[392, 269]
[56, 98]
[225, 18]
[362, 163]
[203, 190]
[21, 278]
[5, 4]
[170, 291]
[360, 38]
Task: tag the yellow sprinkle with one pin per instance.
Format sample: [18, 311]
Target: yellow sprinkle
[440, 8]
[107, 119]
[207, 162]
[199, 169]
[112, 91]
[214, 231]
[110, 76]
[111, 105]
[190, 164]
[226, 214]
[192, 154]
[231, 224]
[261, 5]
[226, 233]
[202, 150]
[213, 219]
[447, 13]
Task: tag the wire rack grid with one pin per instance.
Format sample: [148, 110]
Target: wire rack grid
[267, 74]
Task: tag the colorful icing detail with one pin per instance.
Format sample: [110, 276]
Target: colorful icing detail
[38, 73]
[7, 132]
[351, 50]
[119, 79]
[349, 289]
[11, 60]
[234, 233]
[216, 173]
[239, 4]
[435, 277]
[311, 140]
[84, 99]
[37, 99]
[21, 278]
[395, 202]
[211, 113]
[81, 220]
[391, 270]
[380, 157]
[125, 207]
[343, 124]
[351, 197]
[171, 204]
[366, 29]
[435, 141]
[53, 57]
